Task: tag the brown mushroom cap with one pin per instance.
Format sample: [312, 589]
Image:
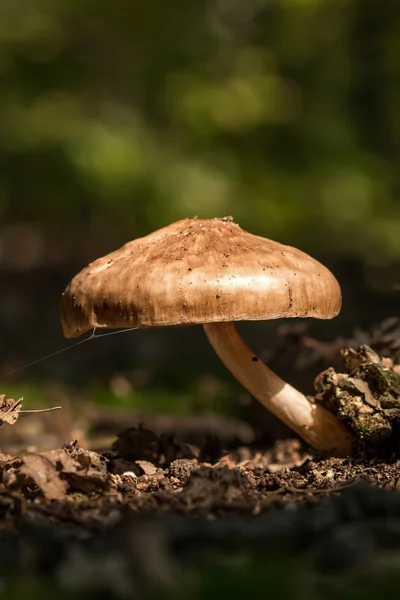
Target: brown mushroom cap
[198, 271]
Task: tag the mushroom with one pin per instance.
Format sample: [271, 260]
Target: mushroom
[212, 272]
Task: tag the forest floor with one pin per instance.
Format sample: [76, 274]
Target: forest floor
[150, 514]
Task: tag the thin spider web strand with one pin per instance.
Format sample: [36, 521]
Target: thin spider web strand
[92, 336]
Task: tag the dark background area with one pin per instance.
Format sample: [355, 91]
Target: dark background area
[117, 118]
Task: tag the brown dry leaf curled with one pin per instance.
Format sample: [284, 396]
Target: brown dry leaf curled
[44, 474]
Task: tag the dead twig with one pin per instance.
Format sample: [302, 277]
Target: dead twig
[11, 409]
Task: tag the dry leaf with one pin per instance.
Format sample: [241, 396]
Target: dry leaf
[147, 467]
[9, 410]
[90, 470]
[363, 387]
[44, 474]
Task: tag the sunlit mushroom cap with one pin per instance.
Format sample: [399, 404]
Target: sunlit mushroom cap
[198, 271]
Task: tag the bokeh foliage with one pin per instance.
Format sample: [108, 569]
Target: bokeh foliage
[128, 115]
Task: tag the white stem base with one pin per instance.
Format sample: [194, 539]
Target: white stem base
[320, 428]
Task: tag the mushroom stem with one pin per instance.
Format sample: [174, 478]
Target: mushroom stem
[320, 428]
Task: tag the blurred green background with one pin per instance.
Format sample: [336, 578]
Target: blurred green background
[120, 117]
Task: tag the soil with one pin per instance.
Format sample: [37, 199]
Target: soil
[175, 511]
[151, 506]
